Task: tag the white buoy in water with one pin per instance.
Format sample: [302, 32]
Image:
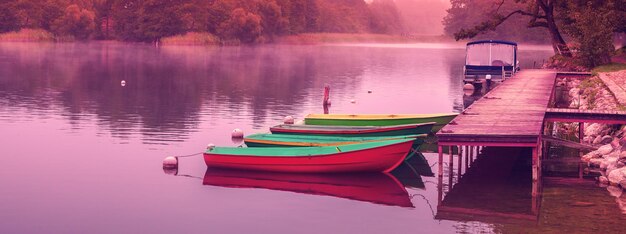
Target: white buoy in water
[468, 87]
[210, 146]
[352, 101]
[288, 120]
[170, 162]
[123, 83]
[237, 133]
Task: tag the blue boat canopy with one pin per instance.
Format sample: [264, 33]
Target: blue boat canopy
[492, 41]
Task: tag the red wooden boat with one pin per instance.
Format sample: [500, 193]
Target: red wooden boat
[379, 188]
[379, 156]
[360, 131]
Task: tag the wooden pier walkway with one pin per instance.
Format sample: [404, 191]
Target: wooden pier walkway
[510, 115]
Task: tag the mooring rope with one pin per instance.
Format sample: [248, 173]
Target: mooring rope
[189, 155]
[427, 202]
[190, 176]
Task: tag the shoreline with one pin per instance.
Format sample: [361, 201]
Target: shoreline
[207, 39]
[594, 93]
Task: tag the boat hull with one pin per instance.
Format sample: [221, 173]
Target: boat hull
[379, 120]
[354, 131]
[379, 159]
[287, 140]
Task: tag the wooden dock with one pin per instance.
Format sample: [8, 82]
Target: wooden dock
[594, 116]
[511, 115]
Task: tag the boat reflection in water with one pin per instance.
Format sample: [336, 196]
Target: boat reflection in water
[378, 188]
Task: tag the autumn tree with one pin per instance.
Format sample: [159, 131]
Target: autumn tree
[75, 22]
[8, 17]
[272, 20]
[242, 25]
[194, 15]
[103, 10]
[343, 16]
[160, 18]
[125, 16]
[385, 17]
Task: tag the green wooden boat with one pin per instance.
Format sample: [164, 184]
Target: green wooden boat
[273, 140]
[379, 120]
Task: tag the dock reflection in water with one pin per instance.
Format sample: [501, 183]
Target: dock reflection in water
[493, 187]
[379, 188]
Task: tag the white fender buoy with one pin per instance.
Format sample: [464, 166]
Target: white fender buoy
[488, 77]
[288, 120]
[468, 87]
[170, 162]
[123, 83]
[237, 133]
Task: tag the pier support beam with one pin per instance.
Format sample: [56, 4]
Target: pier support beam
[581, 132]
[450, 168]
[467, 157]
[451, 162]
[440, 163]
[460, 159]
[535, 164]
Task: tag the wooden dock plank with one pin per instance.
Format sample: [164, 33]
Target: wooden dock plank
[512, 113]
[576, 115]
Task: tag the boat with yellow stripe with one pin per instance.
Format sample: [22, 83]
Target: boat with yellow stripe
[440, 119]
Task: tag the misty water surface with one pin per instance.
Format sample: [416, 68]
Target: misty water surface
[82, 153]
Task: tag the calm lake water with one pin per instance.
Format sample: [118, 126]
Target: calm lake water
[82, 153]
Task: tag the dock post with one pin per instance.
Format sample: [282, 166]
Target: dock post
[451, 156]
[581, 132]
[450, 168]
[439, 190]
[440, 163]
[469, 152]
[460, 159]
[535, 164]
[535, 198]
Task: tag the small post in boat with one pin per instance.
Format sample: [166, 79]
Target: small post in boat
[326, 95]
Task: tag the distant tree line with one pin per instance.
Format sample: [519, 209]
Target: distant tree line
[246, 21]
